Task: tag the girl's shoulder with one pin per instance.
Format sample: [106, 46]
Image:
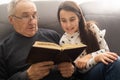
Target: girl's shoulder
[92, 26]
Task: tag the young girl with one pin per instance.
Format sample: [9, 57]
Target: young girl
[78, 30]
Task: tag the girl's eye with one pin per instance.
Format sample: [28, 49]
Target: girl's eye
[72, 19]
[63, 21]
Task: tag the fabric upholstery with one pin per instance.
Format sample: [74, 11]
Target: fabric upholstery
[104, 12]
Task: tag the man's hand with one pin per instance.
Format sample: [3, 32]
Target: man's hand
[66, 69]
[39, 70]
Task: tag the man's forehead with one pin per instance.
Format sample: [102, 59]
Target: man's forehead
[25, 5]
[26, 8]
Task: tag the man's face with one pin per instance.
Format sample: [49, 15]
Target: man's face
[24, 19]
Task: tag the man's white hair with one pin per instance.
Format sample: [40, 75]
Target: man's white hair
[12, 6]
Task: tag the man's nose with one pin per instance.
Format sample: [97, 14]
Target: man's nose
[32, 20]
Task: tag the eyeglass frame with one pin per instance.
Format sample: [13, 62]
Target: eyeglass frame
[27, 18]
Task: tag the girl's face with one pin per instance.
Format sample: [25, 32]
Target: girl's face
[69, 21]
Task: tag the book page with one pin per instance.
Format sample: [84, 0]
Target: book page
[72, 46]
[47, 45]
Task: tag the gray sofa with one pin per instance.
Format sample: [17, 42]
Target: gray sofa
[105, 14]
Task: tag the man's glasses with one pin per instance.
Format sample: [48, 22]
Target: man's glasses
[27, 17]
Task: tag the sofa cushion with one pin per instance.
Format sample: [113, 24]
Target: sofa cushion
[106, 14]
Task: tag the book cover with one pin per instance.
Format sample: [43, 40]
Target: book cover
[47, 51]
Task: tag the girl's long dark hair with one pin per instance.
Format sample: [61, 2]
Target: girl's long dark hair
[86, 35]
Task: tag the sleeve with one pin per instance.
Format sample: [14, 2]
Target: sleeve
[56, 37]
[3, 72]
[103, 47]
[100, 38]
[4, 75]
[19, 76]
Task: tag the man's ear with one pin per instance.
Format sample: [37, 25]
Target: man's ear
[11, 20]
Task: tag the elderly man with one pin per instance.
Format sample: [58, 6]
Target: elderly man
[15, 48]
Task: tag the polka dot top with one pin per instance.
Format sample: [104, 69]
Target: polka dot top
[75, 39]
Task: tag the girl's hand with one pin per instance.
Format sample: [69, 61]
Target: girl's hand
[107, 57]
[82, 62]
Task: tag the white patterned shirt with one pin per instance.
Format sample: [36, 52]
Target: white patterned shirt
[75, 39]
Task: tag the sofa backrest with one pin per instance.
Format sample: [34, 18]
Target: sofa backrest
[47, 11]
[106, 14]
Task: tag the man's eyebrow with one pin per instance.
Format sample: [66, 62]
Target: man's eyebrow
[24, 13]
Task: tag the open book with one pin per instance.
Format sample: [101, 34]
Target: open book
[47, 51]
